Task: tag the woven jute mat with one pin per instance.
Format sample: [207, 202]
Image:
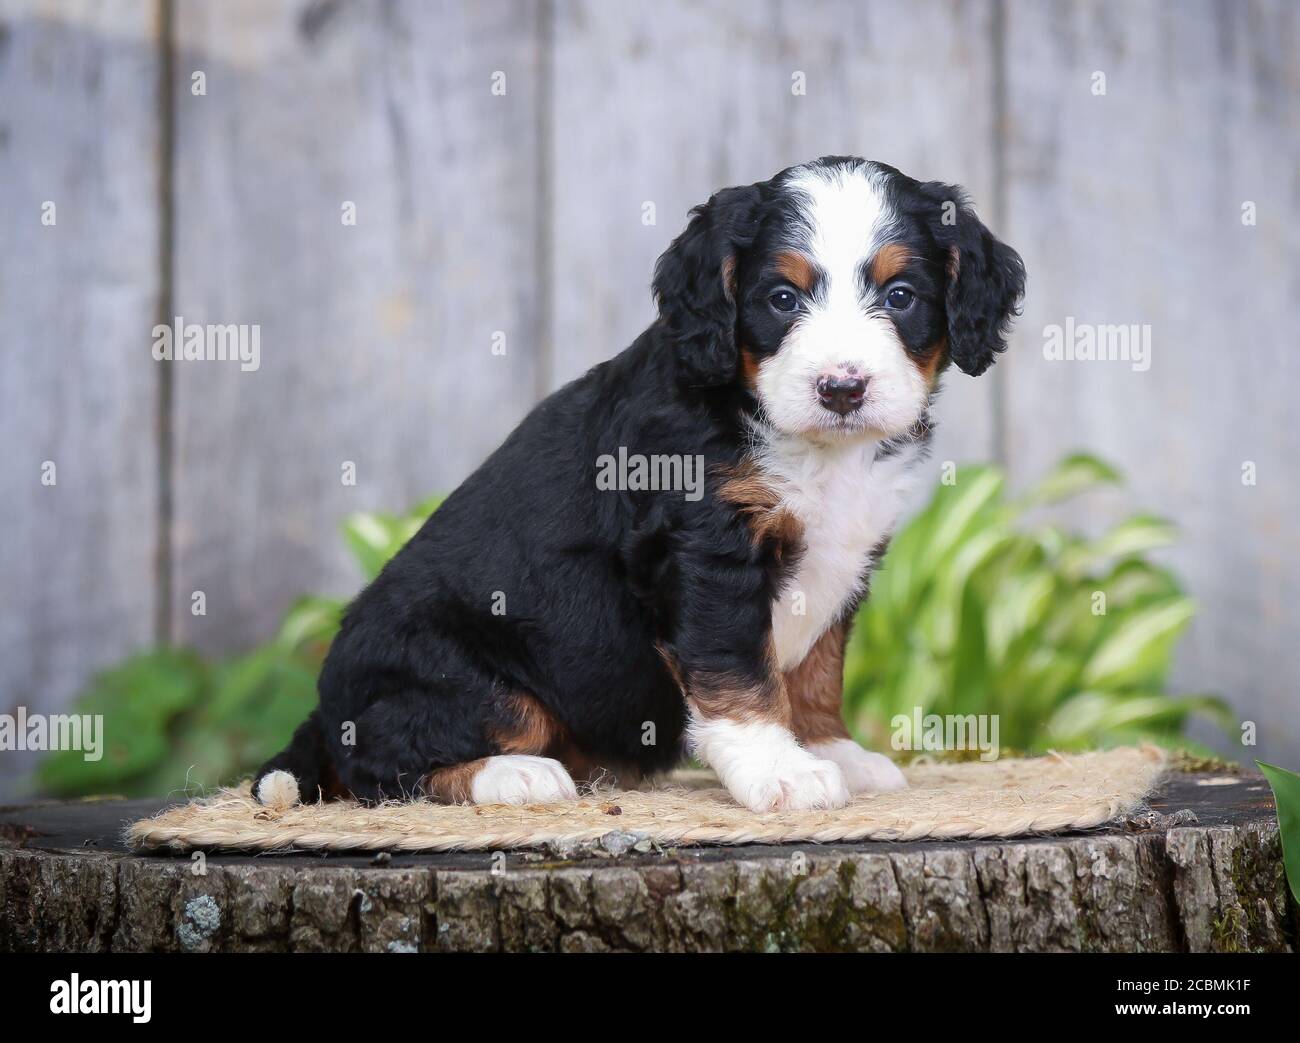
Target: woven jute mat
[1005, 798]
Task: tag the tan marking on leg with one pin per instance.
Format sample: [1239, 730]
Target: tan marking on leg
[733, 699]
[722, 695]
[535, 731]
[739, 699]
[816, 688]
[451, 785]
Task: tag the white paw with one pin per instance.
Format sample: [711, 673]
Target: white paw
[793, 784]
[765, 769]
[277, 790]
[864, 771]
[516, 779]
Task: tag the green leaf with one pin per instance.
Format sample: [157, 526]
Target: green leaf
[1286, 794]
[1137, 535]
[1140, 649]
[1070, 477]
[171, 677]
[374, 538]
[126, 754]
[1089, 716]
[1134, 580]
[421, 511]
[1018, 609]
[976, 551]
[370, 537]
[139, 702]
[238, 683]
[311, 619]
[975, 489]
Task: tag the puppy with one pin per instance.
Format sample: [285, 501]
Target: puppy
[667, 553]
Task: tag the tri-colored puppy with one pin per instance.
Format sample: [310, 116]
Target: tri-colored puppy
[559, 616]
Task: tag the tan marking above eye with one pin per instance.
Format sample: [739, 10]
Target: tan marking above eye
[794, 266]
[890, 260]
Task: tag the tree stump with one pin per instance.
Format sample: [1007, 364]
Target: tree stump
[1202, 871]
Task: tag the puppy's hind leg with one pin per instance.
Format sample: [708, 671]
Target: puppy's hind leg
[298, 772]
[522, 730]
[510, 778]
[457, 749]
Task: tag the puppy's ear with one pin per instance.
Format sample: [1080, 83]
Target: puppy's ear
[985, 281]
[694, 285]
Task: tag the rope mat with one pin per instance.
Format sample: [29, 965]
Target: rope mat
[1007, 798]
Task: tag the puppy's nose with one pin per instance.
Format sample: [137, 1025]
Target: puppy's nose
[840, 392]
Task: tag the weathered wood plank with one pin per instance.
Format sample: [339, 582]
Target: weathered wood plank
[77, 384]
[666, 103]
[1128, 210]
[376, 338]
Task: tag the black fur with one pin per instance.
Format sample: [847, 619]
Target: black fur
[603, 589]
[690, 285]
[984, 278]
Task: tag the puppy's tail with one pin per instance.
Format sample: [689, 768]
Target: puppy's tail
[297, 772]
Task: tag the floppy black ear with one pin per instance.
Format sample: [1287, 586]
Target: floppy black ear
[694, 287]
[986, 279]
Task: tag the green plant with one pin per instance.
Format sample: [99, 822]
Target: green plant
[174, 719]
[976, 611]
[1286, 794]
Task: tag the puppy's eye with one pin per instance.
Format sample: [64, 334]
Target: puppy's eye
[900, 298]
[783, 301]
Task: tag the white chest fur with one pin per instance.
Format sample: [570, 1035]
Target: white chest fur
[847, 502]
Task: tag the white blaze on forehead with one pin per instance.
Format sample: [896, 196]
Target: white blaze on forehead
[848, 218]
[843, 219]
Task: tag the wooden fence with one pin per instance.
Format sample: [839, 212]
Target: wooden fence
[514, 168]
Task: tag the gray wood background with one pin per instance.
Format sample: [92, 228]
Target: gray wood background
[521, 214]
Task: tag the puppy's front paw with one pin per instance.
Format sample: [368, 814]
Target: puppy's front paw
[864, 771]
[796, 784]
[518, 779]
[765, 769]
